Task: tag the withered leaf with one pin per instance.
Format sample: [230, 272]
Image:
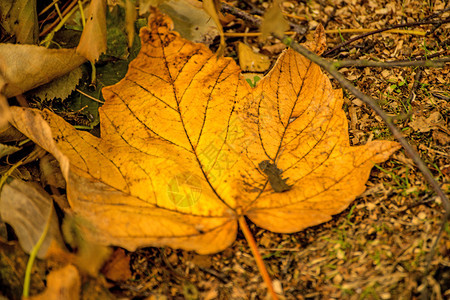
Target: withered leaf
[199, 27]
[93, 39]
[24, 67]
[182, 136]
[26, 207]
[19, 18]
[64, 283]
[274, 21]
[251, 61]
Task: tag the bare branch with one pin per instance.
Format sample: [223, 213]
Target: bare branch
[437, 63]
[438, 22]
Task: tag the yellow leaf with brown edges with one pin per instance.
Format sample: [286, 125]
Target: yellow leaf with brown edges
[187, 147]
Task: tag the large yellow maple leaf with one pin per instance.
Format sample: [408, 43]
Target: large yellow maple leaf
[188, 148]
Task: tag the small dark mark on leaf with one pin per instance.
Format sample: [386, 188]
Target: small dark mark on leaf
[277, 183]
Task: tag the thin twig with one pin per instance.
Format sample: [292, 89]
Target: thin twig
[381, 30]
[436, 26]
[425, 57]
[48, 7]
[56, 22]
[333, 31]
[361, 30]
[241, 14]
[437, 63]
[34, 253]
[89, 96]
[436, 241]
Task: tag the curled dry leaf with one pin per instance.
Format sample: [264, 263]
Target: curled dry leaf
[198, 28]
[24, 67]
[274, 21]
[117, 268]
[5, 114]
[50, 173]
[316, 41]
[212, 8]
[93, 39]
[19, 18]
[422, 124]
[188, 148]
[26, 207]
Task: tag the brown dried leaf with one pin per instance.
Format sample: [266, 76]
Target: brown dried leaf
[198, 28]
[26, 207]
[117, 268]
[274, 21]
[423, 124]
[93, 39]
[19, 18]
[24, 67]
[62, 284]
[316, 41]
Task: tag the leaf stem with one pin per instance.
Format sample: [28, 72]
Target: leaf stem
[259, 261]
[33, 254]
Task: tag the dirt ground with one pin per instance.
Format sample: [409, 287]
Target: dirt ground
[377, 248]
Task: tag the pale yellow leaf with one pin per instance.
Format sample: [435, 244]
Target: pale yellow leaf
[24, 67]
[251, 61]
[190, 20]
